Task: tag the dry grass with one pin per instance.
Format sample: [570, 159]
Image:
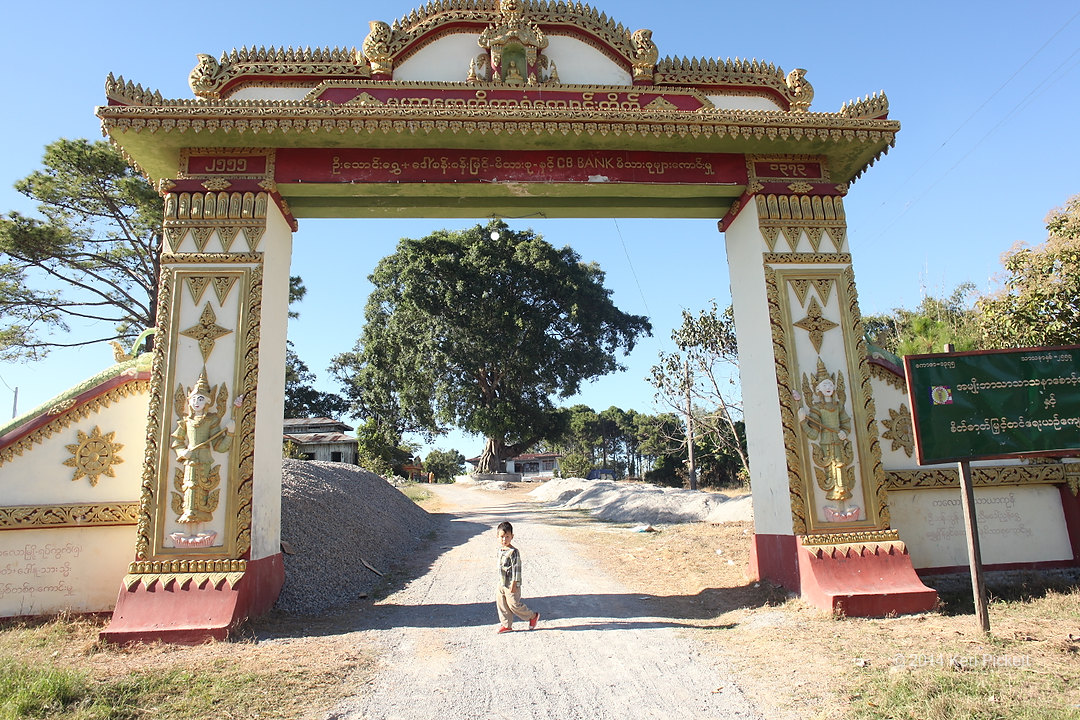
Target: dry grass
[799, 662]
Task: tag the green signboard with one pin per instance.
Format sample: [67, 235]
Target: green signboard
[995, 403]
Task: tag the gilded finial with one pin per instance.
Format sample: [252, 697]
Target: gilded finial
[802, 92]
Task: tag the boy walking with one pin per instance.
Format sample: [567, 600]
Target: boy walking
[508, 597]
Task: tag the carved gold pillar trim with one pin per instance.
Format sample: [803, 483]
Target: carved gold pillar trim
[820, 288]
[997, 476]
[199, 215]
[160, 473]
[37, 517]
[185, 573]
[790, 216]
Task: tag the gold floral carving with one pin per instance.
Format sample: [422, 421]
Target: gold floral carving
[71, 416]
[1072, 477]
[206, 332]
[898, 430]
[884, 374]
[62, 407]
[93, 455]
[815, 324]
[217, 184]
[788, 420]
[31, 517]
[1042, 474]
[800, 187]
[858, 536]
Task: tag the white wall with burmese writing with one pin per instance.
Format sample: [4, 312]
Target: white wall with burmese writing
[49, 571]
[1016, 525]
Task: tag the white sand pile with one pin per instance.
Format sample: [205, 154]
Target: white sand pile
[334, 518]
[641, 503]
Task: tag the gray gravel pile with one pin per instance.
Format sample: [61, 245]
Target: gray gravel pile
[334, 519]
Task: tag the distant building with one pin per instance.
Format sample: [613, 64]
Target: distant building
[531, 466]
[321, 439]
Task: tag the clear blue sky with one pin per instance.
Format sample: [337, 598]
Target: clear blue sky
[986, 94]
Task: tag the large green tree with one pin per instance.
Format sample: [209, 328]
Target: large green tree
[480, 329]
[445, 465]
[93, 256]
[1040, 303]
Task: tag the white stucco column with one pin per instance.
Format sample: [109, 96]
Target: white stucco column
[757, 372]
[274, 318]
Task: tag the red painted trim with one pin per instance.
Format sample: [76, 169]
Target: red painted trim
[194, 615]
[1070, 506]
[774, 558]
[81, 399]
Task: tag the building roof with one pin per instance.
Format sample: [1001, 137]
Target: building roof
[318, 438]
[323, 424]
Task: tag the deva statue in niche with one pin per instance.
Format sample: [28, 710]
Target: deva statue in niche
[199, 433]
[827, 425]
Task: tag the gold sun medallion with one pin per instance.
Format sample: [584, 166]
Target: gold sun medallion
[94, 455]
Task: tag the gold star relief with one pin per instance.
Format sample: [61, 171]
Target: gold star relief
[816, 324]
[94, 455]
[206, 332]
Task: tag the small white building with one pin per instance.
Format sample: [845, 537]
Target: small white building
[534, 466]
[321, 439]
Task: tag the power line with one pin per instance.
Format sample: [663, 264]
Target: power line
[961, 126]
[631, 263]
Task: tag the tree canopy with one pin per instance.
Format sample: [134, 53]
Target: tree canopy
[927, 328]
[94, 256]
[479, 329]
[1040, 303]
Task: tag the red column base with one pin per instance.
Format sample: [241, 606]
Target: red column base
[853, 579]
[187, 614]
[863, 580]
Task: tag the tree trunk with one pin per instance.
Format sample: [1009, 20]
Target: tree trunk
[491, 460]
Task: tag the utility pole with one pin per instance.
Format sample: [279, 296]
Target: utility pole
[692, 469]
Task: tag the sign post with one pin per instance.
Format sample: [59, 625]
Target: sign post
[992, 404]
[971, 529]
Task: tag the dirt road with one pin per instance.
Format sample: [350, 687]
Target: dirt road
[599, 652]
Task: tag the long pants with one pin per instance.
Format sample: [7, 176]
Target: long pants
[509, 604]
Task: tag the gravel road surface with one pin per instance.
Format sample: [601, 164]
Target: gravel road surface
[598, 653]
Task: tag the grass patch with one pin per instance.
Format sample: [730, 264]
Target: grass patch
[46, 691]
[960, 693]
[57, 669]
[416, 492]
